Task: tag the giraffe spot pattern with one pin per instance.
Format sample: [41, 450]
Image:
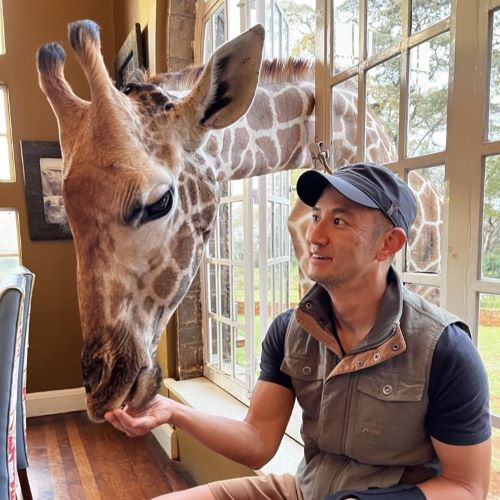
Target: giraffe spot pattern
[118, 291]
[261, 117]
[181, 290]
[164, 283]
[288, 140]
[226, 141]
[149, 302]
[193, 191]
[267, 146]
[289, 106]
[184, 248]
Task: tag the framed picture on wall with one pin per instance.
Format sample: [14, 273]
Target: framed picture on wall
[42, 165]
[130, 56]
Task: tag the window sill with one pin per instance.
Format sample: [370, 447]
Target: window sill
[204, 395]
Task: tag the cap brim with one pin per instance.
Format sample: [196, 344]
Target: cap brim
[312, 183]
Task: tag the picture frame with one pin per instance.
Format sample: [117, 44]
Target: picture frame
[43, 170]
[130, 56]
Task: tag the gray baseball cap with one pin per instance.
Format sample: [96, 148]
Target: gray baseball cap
[367, 184]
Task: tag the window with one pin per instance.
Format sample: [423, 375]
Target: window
[413, 75]
[246, 282]
[10, 254]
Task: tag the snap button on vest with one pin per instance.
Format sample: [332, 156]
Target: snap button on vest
[360, 363]
[387, 390]
[308, 305]
[306, 370]
[395, 347]
[376, 356]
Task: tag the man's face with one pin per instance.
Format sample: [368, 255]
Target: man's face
[342, 241]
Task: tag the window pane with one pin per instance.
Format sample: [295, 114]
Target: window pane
[3, 113]
[252, 12]
[430, 293]
[383, 24]
[382, 97]
[427, 12]
[224, 235]
[345, 34]
[227, 349]
[219, 27]
[490, 261]
[489, 344]
[276, 31]
[212, 291]
[239, 295]
[268, 43]
[494, 107]
[494, 492]
[423, 253]
[207, 41]
[240, 341]
[428, 96]
[7, 264]
[214, 343]
[9, 242]
[237, 230]
[225, 291]
[344, 131]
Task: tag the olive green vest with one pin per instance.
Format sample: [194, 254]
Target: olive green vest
[363, 413]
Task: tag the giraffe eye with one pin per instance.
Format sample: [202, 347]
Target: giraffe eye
[158, 208]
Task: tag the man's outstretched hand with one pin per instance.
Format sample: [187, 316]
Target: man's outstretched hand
[139, 421]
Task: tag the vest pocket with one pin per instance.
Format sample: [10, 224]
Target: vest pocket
[388, 386]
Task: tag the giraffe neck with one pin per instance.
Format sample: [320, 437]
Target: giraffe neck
[273, 135]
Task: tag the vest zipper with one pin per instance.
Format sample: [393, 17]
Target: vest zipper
[333, 485]
[346, 414]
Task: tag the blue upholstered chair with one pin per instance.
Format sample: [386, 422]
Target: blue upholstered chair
[15, 297]
[21, 449]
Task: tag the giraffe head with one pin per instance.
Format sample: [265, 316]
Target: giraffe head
[141, 201]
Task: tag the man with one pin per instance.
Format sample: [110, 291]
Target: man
[391, 387]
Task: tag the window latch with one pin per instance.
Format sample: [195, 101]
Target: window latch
[320, 155]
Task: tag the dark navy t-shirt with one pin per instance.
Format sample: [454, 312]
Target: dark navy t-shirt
[458, 411]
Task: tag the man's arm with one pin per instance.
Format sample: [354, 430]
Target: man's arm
[252, 442]
[465, 472]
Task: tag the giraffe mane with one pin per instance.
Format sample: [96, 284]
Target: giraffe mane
[272, 71]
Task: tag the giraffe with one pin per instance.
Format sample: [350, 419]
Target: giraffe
[140, 177]
[141, 169]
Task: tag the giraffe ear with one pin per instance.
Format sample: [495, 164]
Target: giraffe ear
[226, 88]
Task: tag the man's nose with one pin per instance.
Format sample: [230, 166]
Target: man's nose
[316, 234]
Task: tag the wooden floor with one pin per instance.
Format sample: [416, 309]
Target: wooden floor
[71, 458]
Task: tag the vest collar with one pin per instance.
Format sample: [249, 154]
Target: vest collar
[384, 341]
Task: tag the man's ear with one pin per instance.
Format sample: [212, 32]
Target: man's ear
[390, 242]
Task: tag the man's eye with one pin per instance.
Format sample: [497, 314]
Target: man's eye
[315, 217]
[338, 221]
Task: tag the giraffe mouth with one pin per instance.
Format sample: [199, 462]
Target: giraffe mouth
[133, 390]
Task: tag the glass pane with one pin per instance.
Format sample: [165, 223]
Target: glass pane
[489, 344]
[9, 242]
[252, 12]
[225, 291]
[430, 293]
[219, 27]
[236, 187]
[7, 264]
[212, 290]
[268, 43]
[207, 41]
[51, 173]
[224, 236]
[5, 170]
[344, 125]
[345, 34]
[276, 31]
[239, 295]
[427, 12]
[423, 253]
[269, 217]
[494, 106]
[240, 354]
[227, 349]
[214, 343]
[382, 98]
[3, 113]
[277, 230]
[494, 492]
[237, 230]
[211, 245]
[490, 261]
[428, 96]
[383, 24]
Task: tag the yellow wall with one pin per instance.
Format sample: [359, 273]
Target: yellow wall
[55, 335]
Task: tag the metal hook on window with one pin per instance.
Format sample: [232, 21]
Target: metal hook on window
[320, 154]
